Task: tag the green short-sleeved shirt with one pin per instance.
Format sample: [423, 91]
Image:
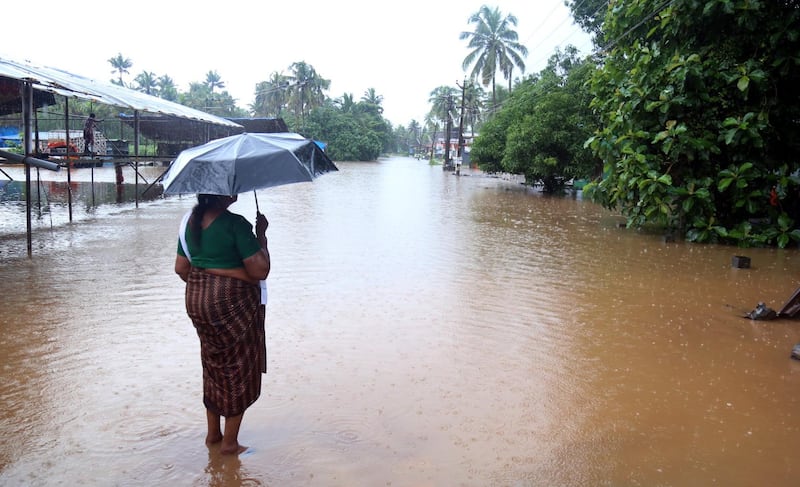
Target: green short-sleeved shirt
[224, 244]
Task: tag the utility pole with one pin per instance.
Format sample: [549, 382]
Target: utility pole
[461, 128]
[461, 119]
[447, 130]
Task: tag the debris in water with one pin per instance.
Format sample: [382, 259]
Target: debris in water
[762, 312]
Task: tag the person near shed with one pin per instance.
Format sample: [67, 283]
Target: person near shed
[89, 127]
[223, 264]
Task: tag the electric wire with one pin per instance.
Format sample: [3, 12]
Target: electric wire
[615, 41]
[576, 29]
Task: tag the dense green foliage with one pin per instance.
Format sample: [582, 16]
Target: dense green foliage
[699, 106]
[353, 131]
[541, 129]
[357, 132]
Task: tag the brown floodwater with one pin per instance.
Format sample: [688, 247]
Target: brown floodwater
[423, 329]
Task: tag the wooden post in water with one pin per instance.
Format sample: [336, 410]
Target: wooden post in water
[136, 154]
[36, 151]
[27, 103]
[69, 173]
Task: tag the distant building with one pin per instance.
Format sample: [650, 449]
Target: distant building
[439, 145]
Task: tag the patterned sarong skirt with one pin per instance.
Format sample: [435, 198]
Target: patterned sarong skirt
[229, 319]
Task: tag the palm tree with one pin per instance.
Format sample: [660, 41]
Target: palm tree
[167, 89]
[372, 98]
[271, 96]
[432, 127]
[213, 80]
[442, 100]
[121, 64]
[198, 96]
[494, 47]
[414, 135]
[443, 108]
[473, 104]
[306, 90]
[346, 103]
[147, 82]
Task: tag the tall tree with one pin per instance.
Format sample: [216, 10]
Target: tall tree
[371, 97]
[198, 96]
[271, 96]
[432, 131]
[147, 82]
[167, 89]
[415, 136]
[547, 145]
[346, 102]
[443, 108]
[214, 80]
[495, 47]
[306, 90]
[541, 128]
[474, 97]
[442, 101]
[121, 65]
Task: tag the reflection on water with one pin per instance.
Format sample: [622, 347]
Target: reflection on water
[423, 329]
[58, 198]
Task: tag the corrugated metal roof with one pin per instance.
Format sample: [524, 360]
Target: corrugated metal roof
[72, 85]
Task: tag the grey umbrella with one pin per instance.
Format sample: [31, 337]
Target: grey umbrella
[246, 162]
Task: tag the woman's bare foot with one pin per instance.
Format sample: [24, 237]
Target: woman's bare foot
[213, 439]
[234, 449]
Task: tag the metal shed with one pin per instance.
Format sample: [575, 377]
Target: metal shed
[29, 86]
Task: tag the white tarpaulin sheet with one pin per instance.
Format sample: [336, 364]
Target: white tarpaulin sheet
[73, 85]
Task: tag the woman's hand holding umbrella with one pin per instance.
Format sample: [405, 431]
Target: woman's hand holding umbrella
[261, 225]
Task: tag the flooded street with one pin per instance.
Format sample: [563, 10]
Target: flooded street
[423, 329]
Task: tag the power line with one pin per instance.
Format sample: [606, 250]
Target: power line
[543, 22]
[550, 35]
[637, 25]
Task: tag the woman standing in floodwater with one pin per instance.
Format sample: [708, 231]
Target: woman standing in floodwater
[222, 262]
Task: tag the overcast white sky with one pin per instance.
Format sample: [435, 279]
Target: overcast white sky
[402, 49]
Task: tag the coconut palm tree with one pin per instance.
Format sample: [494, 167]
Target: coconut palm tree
[167, 89]
[473, 104]
[271, 96]
[346, 102]
[147, 82]
[442, 100]
[121, 64]
[415, 135]
[494, 47]
[432, 128]
[306, 90]
[198, 96]
[443, 108]
[213, 80]
[372, 98]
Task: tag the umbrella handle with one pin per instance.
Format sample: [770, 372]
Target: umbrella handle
[256, 197]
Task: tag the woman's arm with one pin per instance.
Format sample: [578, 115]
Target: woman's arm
[258, 264]
[182, 267]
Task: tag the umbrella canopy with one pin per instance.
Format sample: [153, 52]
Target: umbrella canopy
[246, 162]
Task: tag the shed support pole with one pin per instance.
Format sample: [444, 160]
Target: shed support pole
[69, 173]
[136, 155]
[27, 103]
